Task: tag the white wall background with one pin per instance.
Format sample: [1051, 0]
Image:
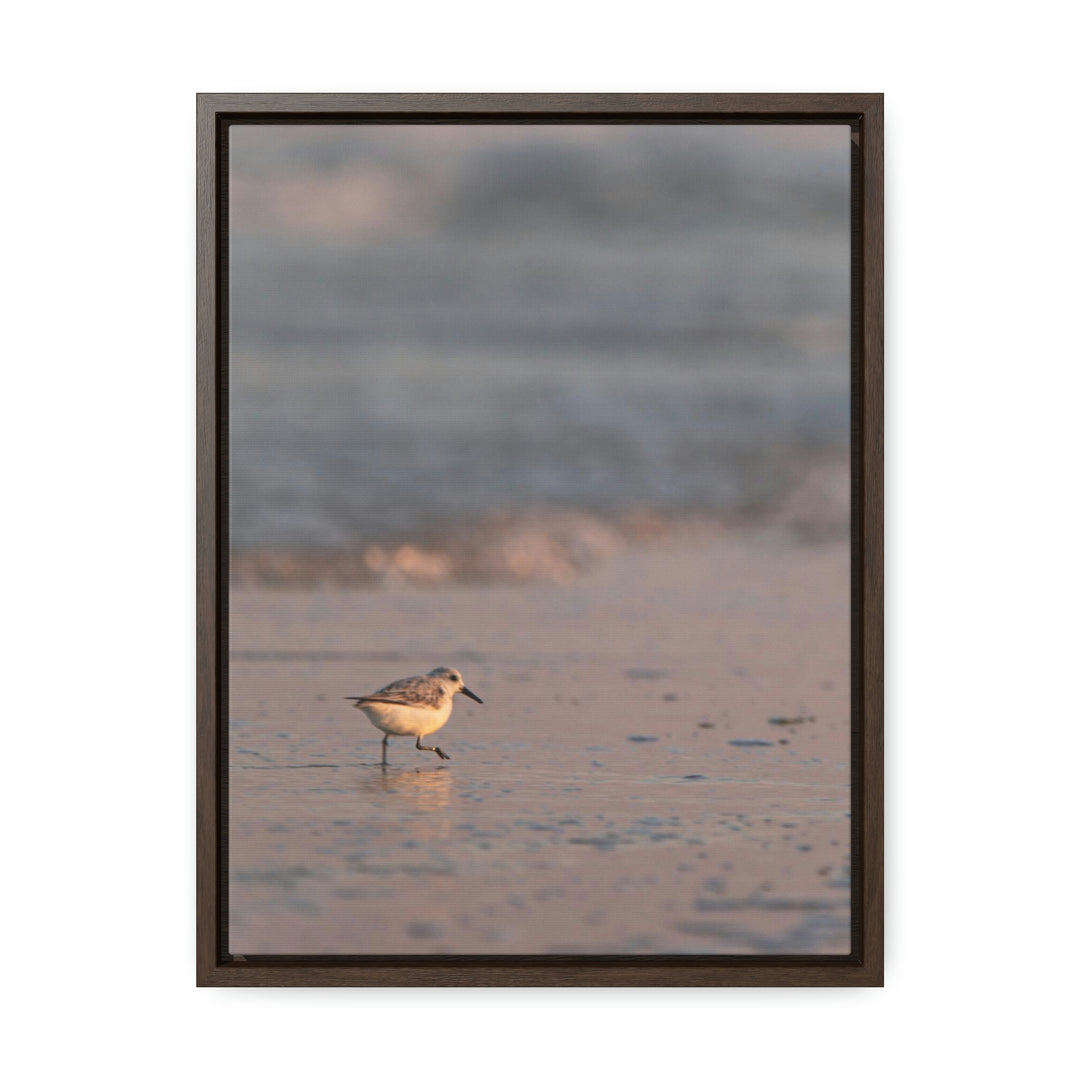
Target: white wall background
[98, 445]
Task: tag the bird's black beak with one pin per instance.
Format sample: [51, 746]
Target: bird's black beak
[468, 693]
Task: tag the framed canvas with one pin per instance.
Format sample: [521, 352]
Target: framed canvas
[540, 539]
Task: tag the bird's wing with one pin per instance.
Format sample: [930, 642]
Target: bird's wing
[416, 690]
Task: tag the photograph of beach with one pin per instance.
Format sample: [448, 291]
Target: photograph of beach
[553, 421]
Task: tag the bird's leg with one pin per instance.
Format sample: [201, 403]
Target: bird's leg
[385, 739]
[433, 749]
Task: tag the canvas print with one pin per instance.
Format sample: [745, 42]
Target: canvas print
[539, 518]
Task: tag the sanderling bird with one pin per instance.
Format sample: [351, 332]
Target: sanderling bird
[416, 706]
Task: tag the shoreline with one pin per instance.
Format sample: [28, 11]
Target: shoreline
[552, 544]
[625, 788]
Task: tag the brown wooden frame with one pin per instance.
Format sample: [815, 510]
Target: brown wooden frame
[864, 113]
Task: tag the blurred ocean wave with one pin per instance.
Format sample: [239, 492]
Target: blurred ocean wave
[548, 544]
[431, 328]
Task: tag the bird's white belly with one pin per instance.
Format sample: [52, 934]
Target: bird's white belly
[406, 719]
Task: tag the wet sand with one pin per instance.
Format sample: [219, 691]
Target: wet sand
[625, 788]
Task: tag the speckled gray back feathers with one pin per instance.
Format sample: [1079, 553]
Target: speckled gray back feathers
[419, 690]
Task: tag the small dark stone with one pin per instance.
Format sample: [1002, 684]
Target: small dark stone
[424, 930]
